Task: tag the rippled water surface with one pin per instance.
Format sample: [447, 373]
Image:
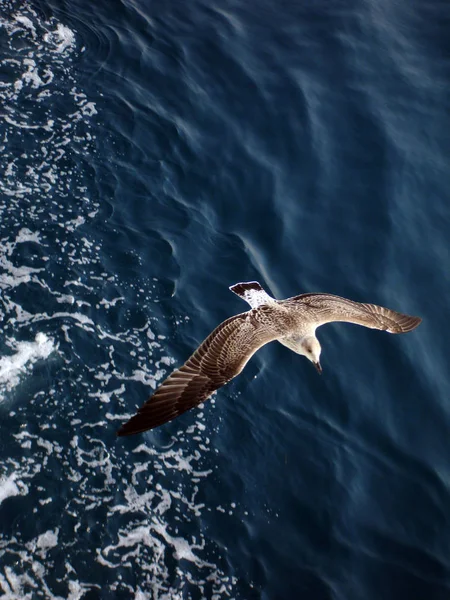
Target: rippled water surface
[152, 154]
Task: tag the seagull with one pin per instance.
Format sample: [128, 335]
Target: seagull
[226, 351]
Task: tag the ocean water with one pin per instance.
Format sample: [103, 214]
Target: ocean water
[152, 154]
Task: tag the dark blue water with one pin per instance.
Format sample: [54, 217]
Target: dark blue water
[152, 154]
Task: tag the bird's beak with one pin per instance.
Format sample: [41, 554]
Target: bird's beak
[318, 367]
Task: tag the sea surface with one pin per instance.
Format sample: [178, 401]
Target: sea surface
[153, 153]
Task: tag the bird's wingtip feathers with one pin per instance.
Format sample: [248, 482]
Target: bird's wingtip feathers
[415, 322]
[406, 324]
[412, 323]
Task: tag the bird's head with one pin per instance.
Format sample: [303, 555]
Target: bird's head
[310, 347]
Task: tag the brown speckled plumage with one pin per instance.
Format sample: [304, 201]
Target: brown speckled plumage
[319, 309]
[218, 359]
[226, 351]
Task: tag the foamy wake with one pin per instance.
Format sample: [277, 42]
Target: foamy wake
[9, 487]
[127, 521]
[26, 354]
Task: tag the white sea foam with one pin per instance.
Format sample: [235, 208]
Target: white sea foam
[8, 487]
[26, 22]
[62, 38]
[25, 235]
[104, 363]
[45, 542]
[25, 355]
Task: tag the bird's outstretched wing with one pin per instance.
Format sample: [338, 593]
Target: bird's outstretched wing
[218, 359]
[328, 308]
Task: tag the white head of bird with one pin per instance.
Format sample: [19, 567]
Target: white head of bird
[308, 346]
[311, 348]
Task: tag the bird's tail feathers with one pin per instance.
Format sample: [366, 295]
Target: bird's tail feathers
[253, 293]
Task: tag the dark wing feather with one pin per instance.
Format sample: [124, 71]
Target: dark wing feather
[218, 359]
[328, 308]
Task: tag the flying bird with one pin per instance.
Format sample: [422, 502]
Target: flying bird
[226, 351]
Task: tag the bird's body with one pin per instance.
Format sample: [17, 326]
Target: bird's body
[226, 351]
